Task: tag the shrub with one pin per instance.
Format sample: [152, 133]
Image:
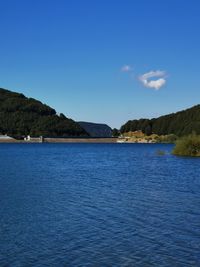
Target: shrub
[160, 152]
[188, 146]
[170, 138]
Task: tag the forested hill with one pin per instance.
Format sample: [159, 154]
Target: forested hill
[180, 123]
[21, 116]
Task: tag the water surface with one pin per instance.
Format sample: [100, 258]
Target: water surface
[98, 205]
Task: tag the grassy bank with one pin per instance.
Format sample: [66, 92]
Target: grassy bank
[140, 137]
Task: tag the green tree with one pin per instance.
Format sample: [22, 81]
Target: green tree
[115, 132]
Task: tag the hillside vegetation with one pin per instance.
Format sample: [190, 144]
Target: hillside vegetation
[181, 123]
[21, 116]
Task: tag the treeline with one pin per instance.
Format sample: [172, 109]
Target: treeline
[181, 123]
[21, 116]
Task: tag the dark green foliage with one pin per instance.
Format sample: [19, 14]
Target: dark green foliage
[180, 123]
[188, 146]
[115, 132]
[21, 116]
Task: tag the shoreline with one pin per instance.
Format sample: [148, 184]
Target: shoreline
[61, 140]
[76, 140]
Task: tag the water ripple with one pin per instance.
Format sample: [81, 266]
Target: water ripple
[98, 205]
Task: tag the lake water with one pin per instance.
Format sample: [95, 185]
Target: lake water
[98, 205]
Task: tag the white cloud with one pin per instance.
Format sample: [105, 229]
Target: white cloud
[156, 84]
[126, 68]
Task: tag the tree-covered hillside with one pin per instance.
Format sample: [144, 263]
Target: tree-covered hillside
[21, 116]
[180, 123]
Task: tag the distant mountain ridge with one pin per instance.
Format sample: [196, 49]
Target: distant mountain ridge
[180, 123]
[96, 129]
[21, 116]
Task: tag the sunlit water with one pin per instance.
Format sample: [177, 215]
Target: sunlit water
[98, 205]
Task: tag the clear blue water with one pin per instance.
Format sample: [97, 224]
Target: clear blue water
[98, 205]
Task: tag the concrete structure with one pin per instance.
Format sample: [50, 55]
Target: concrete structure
[5, 136]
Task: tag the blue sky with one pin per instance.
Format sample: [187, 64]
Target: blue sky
[103, 60]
